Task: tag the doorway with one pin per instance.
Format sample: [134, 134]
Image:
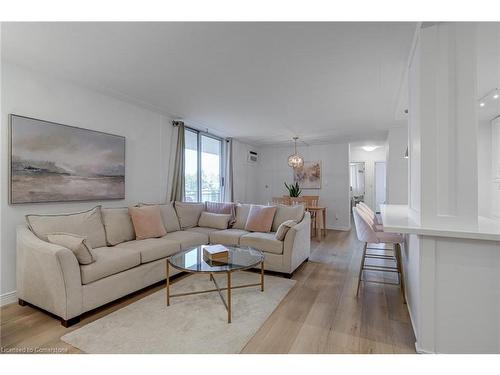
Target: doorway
[357, 182]
[380, 188]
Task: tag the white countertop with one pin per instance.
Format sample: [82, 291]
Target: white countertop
[395, 218]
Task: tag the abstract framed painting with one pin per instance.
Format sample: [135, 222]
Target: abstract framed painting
[309, 175]
[51, 162]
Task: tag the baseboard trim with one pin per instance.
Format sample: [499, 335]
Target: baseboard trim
[8, 298]
[342, 228]
[418, 348]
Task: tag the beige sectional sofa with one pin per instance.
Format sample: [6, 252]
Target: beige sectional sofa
[49, 276]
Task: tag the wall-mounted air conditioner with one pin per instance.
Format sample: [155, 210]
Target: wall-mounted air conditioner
[252, 157]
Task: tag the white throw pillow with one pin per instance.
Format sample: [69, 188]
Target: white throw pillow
[211, 220]
[77, 244]
[283, 229]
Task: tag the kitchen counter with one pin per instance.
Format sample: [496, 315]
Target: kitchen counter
[396, 218]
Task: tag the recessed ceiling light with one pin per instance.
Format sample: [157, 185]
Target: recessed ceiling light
[495, 96]
[369, 148]
[481, 104]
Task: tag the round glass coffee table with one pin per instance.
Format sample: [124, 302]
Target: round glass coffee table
[239, 259]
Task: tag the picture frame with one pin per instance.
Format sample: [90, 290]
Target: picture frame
[309, 175]
[53, 162]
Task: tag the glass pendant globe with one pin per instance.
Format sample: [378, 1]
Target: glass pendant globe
[295, 161]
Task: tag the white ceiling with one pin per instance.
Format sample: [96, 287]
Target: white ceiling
[258, 82]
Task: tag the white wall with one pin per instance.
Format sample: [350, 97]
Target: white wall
[147, 135]
[245, 174]
[358, 154]
[334, 192]
[411, 266]
[397, 166]
[495, 168]
[484, 172]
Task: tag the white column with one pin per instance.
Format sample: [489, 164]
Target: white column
[443, 125]
[452, 282]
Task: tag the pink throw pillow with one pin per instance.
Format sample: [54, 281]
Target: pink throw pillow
[147, 222]
[260, 218]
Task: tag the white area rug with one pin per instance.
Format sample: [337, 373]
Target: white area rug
[191, 324]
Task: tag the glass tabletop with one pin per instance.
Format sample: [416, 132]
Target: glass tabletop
[192, 260]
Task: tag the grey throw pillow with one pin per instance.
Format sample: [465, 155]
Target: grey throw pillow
[283, 229]
[77, 244]
[211, 220]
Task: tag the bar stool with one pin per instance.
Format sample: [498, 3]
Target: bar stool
[367, 209]
[366, 233]
[371, 217]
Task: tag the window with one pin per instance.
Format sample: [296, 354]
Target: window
[203, 167]
[191, 166]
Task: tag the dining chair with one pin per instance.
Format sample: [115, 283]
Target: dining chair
[281, 200]
[297, 200]
[367, 234]
[312, 201]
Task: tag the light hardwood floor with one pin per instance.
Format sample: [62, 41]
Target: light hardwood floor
[321, 314]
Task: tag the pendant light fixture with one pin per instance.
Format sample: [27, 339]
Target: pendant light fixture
[295, 160]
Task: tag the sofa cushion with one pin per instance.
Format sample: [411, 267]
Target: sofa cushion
[212, 220]
[266, 242]
[187, 238]
[87, 224]
[152, 248]
[227, 236]
[169, 216]
[242, 211]
[222, 208]
[77, 244]
[284, 213]
[147, 222]
[189, 213]
[118, 225]
[109, 260]
[260, 218]
[203, 230]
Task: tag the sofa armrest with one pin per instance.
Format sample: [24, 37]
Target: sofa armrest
[48, 275]
[297, 244]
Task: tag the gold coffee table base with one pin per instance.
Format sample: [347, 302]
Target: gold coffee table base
[227, 303]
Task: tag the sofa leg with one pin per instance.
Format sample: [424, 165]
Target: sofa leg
[70, 322]
[307, 260]
[288, 275]
[21, 302]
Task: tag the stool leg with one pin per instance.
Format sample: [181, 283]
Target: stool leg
[361, 266]
[397, 252]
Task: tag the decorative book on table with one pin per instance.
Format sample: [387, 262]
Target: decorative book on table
[215, 253]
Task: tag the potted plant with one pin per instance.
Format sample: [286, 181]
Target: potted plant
[293, 189]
